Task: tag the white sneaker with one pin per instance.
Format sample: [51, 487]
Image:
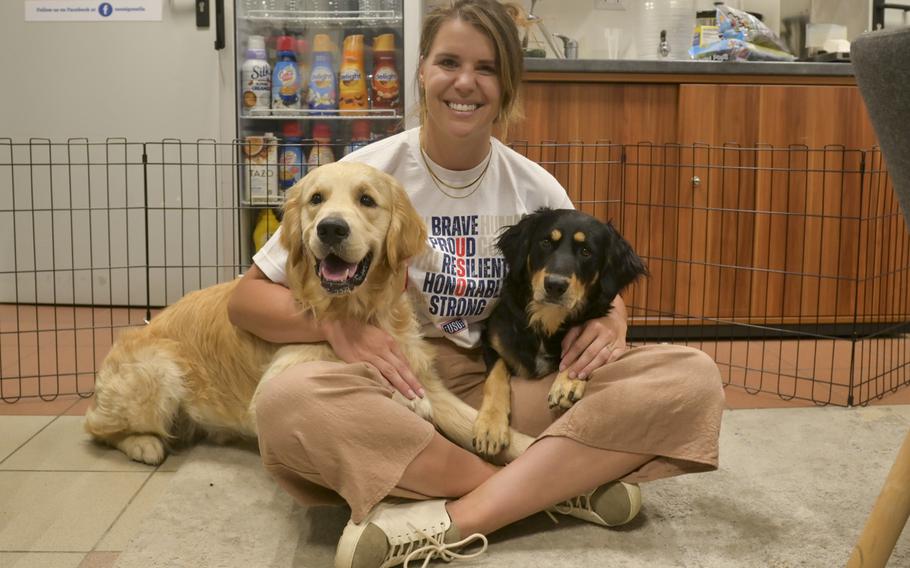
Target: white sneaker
[399, 532]
[610, 505]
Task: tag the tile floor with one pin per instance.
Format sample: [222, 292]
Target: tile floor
[65, 502]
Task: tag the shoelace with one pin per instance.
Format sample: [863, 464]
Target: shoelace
[565, 508]
[437, 548]
[580, 502]
[406, 549]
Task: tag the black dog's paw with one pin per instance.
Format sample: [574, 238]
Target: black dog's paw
[491, 433]
[565, 391]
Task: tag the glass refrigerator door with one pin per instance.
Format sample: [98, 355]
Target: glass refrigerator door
[325, 74]
[317, 79]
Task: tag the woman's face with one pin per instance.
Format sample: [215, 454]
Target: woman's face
[460, 81]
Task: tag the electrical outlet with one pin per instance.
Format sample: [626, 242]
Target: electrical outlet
[609, 5]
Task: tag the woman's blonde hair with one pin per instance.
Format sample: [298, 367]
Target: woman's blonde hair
[498, 21]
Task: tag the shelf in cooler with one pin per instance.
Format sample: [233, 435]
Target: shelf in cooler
[262, 204]
[387, 18]
[294, 114]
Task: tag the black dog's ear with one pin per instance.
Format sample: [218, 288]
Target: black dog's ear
[621, 267]
[514, 243]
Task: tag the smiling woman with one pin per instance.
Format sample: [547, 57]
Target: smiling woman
[334, 431]
[464, 87]
[461, 93]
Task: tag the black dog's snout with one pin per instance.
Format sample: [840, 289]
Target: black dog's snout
[333, 230]
[555, 286]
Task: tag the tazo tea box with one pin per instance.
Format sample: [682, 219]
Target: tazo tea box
[260, 169]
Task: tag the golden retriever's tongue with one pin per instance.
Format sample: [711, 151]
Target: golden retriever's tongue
[336, 270]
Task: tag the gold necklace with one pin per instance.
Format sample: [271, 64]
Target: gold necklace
[437, 180]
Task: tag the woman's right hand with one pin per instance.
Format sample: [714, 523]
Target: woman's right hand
[268, 310]
[356, 342]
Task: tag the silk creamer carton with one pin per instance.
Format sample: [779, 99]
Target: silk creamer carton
[260, 169]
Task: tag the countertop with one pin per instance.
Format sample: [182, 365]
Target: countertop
[628, 66]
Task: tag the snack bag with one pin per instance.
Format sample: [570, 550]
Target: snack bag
[741, 37]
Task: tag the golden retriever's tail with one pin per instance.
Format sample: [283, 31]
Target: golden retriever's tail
[138, 393]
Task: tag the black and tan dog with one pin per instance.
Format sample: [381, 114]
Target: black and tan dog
[565, 267]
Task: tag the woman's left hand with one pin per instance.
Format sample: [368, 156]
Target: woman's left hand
[595, 343]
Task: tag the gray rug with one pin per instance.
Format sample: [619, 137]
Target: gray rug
[794, 489]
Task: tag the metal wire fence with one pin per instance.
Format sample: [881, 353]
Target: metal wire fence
[788, 265]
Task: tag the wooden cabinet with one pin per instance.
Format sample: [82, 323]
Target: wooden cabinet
[752, 203]
[778, 115]
[593, 112]
[780, 214]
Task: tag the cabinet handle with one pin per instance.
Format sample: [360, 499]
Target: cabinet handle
[696, 181]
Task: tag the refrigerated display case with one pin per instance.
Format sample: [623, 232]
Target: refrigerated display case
[332, 69]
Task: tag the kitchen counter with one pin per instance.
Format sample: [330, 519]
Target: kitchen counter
[625, 70]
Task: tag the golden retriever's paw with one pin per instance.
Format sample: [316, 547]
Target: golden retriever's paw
[419, 406]
[422, 408]
[491, 433]
[565, 391]
[143, 448]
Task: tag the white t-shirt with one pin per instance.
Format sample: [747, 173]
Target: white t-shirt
[457, 281]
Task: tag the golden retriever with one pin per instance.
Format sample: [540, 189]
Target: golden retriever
[348, 229]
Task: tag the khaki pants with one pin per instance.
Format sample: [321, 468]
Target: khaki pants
[330, 432]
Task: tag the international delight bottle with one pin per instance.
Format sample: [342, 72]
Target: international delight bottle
[321, 152]
[385, 75]
[352, 86]
[323, 94]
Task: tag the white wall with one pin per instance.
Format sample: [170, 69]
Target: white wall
[143, 80]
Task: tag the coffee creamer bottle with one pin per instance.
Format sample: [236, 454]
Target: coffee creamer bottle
[322, 94]
[385, 74]
[286, 77]
[360, 137]
[321, 153]
[290, 156]
[352, 85]
[255, 79]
